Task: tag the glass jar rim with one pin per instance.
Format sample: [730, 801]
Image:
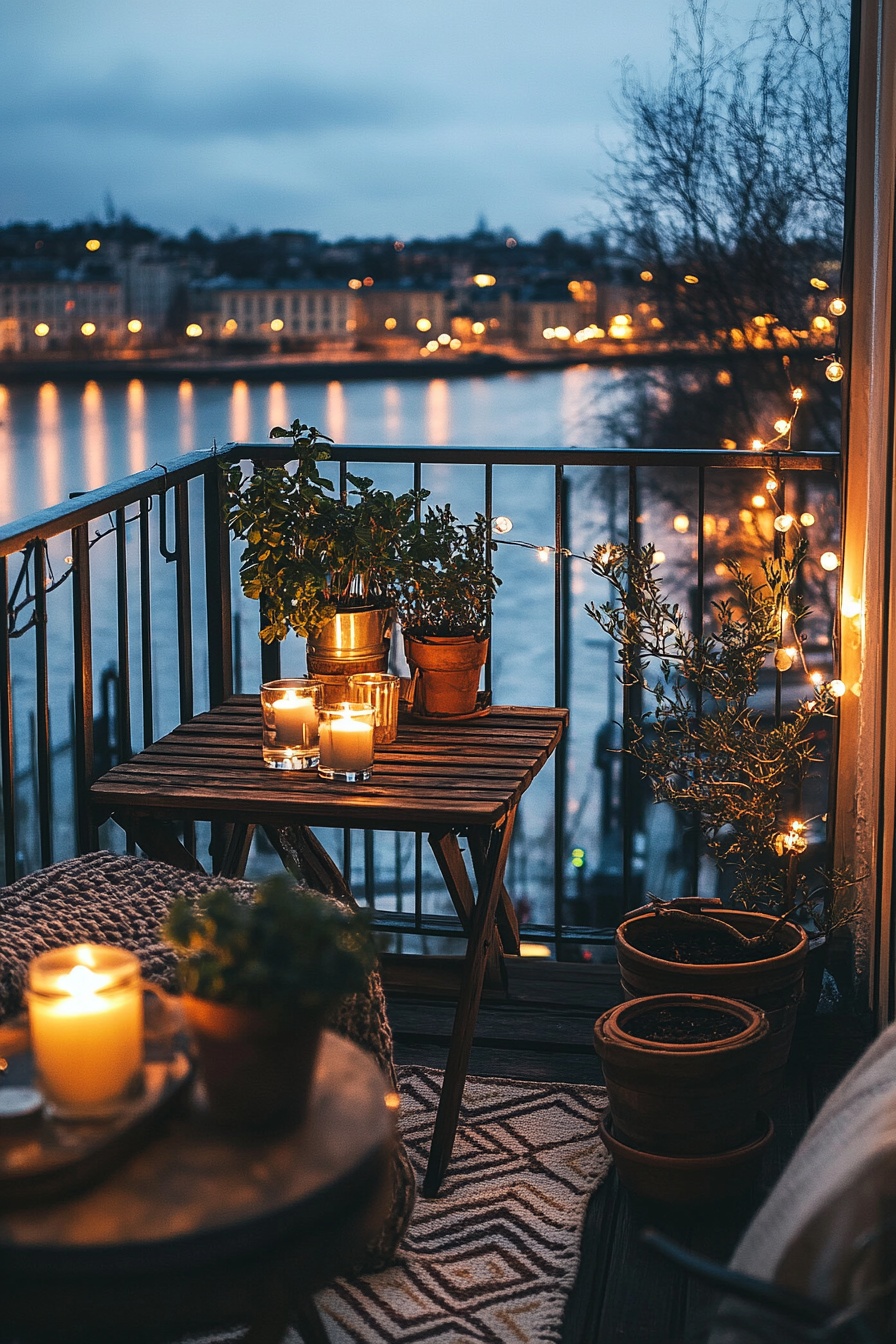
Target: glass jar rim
[115, 967]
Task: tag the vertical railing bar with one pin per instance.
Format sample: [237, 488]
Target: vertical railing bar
[124, 652]
[146, 696]
[418, 881]
[559, 691]
[218, 613]
[42, 705]
[369, 875]
[347, 854]
[88, 838]
[779, 550]
[699, 616]
[487, 509]
[7, 754]
[184, 603]
[629, 780]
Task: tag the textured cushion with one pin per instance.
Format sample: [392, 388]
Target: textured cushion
[826, 1229]
[121, 900]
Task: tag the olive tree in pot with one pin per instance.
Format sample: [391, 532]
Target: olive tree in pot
[444, 606]
[323, 566]
[259, 979]
[710, 752]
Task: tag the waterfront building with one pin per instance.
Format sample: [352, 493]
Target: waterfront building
[314, 312]
[70, 315]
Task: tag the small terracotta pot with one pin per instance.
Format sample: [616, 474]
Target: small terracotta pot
[689, 1180]
[255, 1071]
[449, 669]
[682, 1098]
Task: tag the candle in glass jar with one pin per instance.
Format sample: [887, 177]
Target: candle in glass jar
[346, 741]
[295, 718]
[85, 1008]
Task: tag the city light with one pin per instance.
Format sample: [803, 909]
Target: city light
[432, 346]
[42, 329]
[135, 325]
[390, 323]
[478, 328]
[231, 325]
[444, 338]
[548, 333]
[818, 284]
[484, 281]
[88, 328]
[562, 333]
[424, 324]
[681, 522]
[277, 324]
[759, 501]
[355, 284]
[621, 327]
[822, 323]
[455, 343]
[367, 281]
[194, 330]
[691, 280]
[647, 276]
[93, 244]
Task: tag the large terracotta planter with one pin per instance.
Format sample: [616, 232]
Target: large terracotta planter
[773, 983]
[353, 641]
[681, 1095]
[689, 1180]
[256, 1071]
[447, 670]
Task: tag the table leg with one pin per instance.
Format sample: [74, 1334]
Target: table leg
[158, 841]
[236, 850]
[483, 930]
[446, 849]
[508, 924]
[305, 857]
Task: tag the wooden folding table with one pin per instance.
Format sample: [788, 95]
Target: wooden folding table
[444, 780]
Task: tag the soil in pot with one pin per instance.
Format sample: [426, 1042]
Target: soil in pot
[682, 1071]
[769, 976]
[671, 942]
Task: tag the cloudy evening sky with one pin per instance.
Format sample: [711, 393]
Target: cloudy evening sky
[381, 117]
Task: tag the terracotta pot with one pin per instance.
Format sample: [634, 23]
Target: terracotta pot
[773, 983]
[689, 1180]
[449, 669]
[682, 1097]
[256, 1072]
[353, 641]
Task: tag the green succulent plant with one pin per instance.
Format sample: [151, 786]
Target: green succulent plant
[287, 948]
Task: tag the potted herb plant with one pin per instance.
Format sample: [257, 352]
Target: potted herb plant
[444, 607]
[710, 752]
[258, 981]
[323, 566]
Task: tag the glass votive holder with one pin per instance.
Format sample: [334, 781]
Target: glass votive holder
[379, 689]
[346, 741]
[85, 1010]
[290, 710]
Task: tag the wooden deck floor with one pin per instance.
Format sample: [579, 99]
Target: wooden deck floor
[625, 1294]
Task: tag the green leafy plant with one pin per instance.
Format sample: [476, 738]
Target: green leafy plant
[452, 583]
[705, 746]
[288, 948]
[310, 553]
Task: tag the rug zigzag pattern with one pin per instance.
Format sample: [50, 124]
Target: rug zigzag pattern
[493, 1258]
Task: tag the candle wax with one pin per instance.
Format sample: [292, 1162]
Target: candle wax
[346, 744]
[88, 1046]
[295, 719]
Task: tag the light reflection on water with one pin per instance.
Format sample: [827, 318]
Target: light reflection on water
[49, 449]
[186, 417]
[94, 437]
[136, 398]
[7, 487]
[240, 413]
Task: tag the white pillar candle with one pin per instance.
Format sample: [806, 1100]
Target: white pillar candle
[295, 719]
[346, 739]
[85, 1007]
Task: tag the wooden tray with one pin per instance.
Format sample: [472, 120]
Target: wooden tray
[47, 1158]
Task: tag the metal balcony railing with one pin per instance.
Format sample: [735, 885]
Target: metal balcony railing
[124, 617]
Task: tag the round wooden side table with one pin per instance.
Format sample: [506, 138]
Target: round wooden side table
[203, 1230]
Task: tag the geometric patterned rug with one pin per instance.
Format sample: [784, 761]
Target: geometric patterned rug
[493, 1257]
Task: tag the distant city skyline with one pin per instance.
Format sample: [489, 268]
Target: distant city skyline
[342, 118]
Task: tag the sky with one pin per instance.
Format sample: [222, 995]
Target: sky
[394, 118]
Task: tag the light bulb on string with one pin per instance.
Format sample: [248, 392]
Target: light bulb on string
[829, 560]
[797, 394]
[834, 371]
[837, 688]
[784, 522]
[783, 660]
[782, 426]
[807, 519]
[502, 525]
[757, 445]
[771, 483]
[837, 307]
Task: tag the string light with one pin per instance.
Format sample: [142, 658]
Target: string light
[783, 660]
[837, 687]
[502, 525]
[782, 426]
[816, 678]
[807, 519]
[771, 483]
[784, 522]
[829, 560]
[759, 501]
[834, 371]
[837, 307]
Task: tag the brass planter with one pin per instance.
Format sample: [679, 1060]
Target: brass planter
[353, 641]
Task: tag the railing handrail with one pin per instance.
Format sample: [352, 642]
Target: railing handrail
[69, 514]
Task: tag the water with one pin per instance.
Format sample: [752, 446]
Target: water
[59, 439]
